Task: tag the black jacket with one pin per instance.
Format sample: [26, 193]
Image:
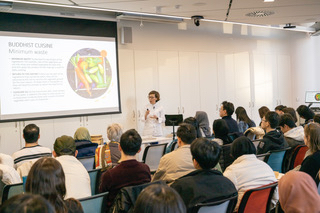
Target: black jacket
[273, 140]
[232, 124]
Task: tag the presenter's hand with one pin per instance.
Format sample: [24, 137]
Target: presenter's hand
[154, 117]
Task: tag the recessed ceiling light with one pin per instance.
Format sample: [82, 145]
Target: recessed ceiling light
[199, 4]
[260, 13]
[268, 0]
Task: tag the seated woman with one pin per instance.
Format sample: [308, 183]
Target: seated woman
[47, 178]
[244, 122]
[8, 175]
[203, 122]
[262, 112]
[248, 172]
[298, 193]
[159, 198]
[114, 132]
[83, 143]
[221, 131]
[311, 164]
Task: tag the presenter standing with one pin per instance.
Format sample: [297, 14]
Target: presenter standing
[153, 115]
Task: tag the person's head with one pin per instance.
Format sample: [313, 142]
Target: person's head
[46, 178]
[64, 145]
[226, 109]
[186, 133]
[114, 132]
[158, 198]
[279, 109]
[130, 142]
[292, 112]
[312, 136]
[202, 117]
[220, 128]
[205, 153]
[286, 122]
[193, 121]
[27, 203]
[316, 118]
[242, 115]
[263, 110]
[270, 120]
[73, 206]
[242, 146]
[298, 193]
[31, 133]
[154, 97]
[305, 112]
[81, 134]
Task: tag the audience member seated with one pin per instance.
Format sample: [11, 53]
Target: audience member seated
[76, 176]
[292, 134]
[311, 164]
[129, 172]
[273, 139]
[32, 150]
[226, 111]
[205, 184]
[262, 112]
[27, 203]
[248, 172]
[298, 193]
[221, 131]
[305, 113]
[83, 142]
[203, 122]
[193, 121]
[159, 198]
[8, 174]
[244, 122]
[292, 112]
[178, 162]
[46, 178]
[279, 109]
[316, 118]
[114, 132]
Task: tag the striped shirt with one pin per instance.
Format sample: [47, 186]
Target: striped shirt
[30, 154]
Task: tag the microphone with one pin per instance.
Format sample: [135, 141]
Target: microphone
[154, 107]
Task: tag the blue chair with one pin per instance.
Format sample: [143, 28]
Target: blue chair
[275, 159]
[152, 155]
[96, 203]
[11, 190]
[94, 180]
[88, 162]
[222, 206]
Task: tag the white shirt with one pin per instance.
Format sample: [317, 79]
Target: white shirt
[153, 126]
[30, 154]
[77, 177]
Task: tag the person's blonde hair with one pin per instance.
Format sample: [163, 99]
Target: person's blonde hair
[312, 133]
[114, 132]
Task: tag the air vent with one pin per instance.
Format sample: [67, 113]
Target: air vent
[260, 13]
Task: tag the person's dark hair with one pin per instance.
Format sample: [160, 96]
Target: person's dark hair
[292, 112]
[130, 142]
[287, 119]
[273, 118]
[242, 146]
[156, 94]
[312, 133]
[73, 206]
[158, 198]
[205, 152]
[305, 112]
[31, 133]
[27, 203]
[280, 107]
[242, 115]
[187, 133]
[220, 128]
[193, 121]
[316, 118]
[46, 178]
[228, 106]
[263, 110]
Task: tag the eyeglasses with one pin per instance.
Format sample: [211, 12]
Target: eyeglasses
[151, 97]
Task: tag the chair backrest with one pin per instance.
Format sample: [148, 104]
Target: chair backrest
[275, 159]
[152, 155]
[174, 146]
[1, 190]
[258, 199]
[222, 206]
[11, 190]
[88, 162]
[298, 156]
[96, 203]
[94, 180]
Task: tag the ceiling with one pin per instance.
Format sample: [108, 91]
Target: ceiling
[297, 12]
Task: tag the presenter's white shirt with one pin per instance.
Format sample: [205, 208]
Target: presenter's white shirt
[77, 177]
[153, 126]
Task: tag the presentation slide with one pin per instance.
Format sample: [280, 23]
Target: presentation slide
[313, 97]
[45, 75]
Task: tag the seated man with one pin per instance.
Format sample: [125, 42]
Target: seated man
[205, 184]
[76, 175]
[273, 139]
[292, 134]
[178, 162]
[129, 172]
[32, 150]
[226, 111]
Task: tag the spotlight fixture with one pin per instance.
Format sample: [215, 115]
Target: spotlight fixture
[289, 26]
[196, 20]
